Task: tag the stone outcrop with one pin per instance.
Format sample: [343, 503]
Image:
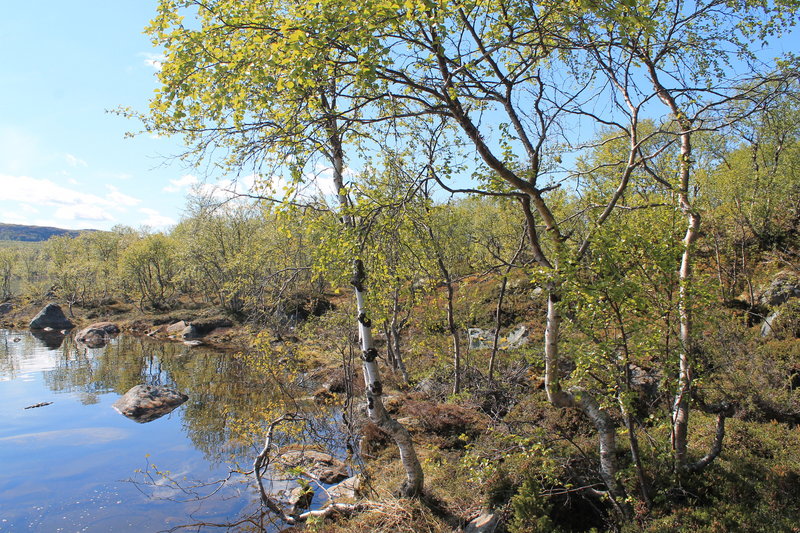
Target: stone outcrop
[145, 403]
[51, 317]
[784, 286]
[97, 334]
[483, 338]
[195, 329]
[767, 325]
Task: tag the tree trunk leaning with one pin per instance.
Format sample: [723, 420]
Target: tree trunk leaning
[413, 484]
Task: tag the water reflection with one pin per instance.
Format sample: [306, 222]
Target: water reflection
[224, 393]
[219, 427]
[52, 339]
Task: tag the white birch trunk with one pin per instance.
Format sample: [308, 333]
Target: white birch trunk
[375, 409]
[413, 484]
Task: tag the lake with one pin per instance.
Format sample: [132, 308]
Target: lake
[78, 465]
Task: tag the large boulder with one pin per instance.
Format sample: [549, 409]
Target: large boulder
[145, 403]
[191, 330]
[97, 334]
[51, 317]
[767, 325]
[6, 308]
[784, 322]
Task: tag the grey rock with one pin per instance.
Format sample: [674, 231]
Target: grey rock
[784, 286]
[349, 489]
[6, 308]
[145, 403]
[766, 326]
[176, 328]
[483, 338]
[518, 337]
[485, 523]
[480, 338]
[51, 316]
[300, 499]
[190, 332]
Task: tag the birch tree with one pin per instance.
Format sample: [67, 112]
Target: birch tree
[687, 54]
[246, 81]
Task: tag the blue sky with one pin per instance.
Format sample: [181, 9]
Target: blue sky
[65, 161]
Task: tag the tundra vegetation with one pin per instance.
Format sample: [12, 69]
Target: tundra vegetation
[620, 177]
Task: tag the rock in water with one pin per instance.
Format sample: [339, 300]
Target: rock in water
[145, 403]
[319, 465]
[96, 335]
[51, 317]
[300, 499]
[189, 332]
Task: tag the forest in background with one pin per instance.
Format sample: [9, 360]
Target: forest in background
[644, 257]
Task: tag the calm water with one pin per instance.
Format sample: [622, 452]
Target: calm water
[71, 466]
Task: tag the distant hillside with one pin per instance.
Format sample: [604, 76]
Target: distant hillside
[17, 232]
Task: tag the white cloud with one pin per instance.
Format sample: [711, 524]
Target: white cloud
[65, 204]
[184, 182]
[13, 217]
[155, 219]
[321, 182]
[89, 213]
[226, 190]
[44, 192]
[121, 198]
[154, 61]
[75, 162]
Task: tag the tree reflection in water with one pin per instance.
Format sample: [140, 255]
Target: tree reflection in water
[232, 398]
[230, 402]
